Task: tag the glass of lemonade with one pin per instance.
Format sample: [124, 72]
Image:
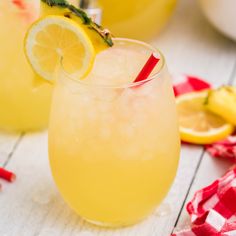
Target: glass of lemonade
[24, 98]
[113, 144]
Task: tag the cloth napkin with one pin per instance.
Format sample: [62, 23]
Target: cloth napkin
[187, 84]
[223, 149]
[213, 209]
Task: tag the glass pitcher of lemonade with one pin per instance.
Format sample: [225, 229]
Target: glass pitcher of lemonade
[114, 144]
[24, 98]
[138, 19]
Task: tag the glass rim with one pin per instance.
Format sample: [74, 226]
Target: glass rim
[125, 85]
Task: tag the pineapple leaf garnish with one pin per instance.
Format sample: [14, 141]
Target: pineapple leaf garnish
[105, 34]
[62, 3]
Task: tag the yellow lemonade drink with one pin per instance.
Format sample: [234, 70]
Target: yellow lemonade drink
[24, 99]
[113, 144]
[137, 19]
[140, 19]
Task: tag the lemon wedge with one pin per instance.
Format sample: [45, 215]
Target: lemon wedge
[56, 41]
[197, 124]
[222, 101]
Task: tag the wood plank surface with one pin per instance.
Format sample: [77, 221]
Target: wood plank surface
[8, 143]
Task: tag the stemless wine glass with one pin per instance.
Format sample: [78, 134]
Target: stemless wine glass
[114, 149]
[24, 98]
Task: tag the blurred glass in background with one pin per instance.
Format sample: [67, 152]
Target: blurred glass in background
[24, 103]
[222, 14]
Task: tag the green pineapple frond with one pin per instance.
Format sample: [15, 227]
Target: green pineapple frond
[105, 34]
[61, 3]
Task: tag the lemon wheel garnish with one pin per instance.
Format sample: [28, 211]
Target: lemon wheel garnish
[56, 40]
[197, 124]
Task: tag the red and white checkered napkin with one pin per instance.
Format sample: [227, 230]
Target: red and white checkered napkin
[213, 209]
[187, 84]
[223, 149]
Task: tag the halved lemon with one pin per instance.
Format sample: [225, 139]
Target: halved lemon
[197, 124]
[55, 41]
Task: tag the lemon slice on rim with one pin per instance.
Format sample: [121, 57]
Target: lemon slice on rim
[197, 124]
[53, 40]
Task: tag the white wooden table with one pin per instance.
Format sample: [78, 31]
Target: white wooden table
[32, 206]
